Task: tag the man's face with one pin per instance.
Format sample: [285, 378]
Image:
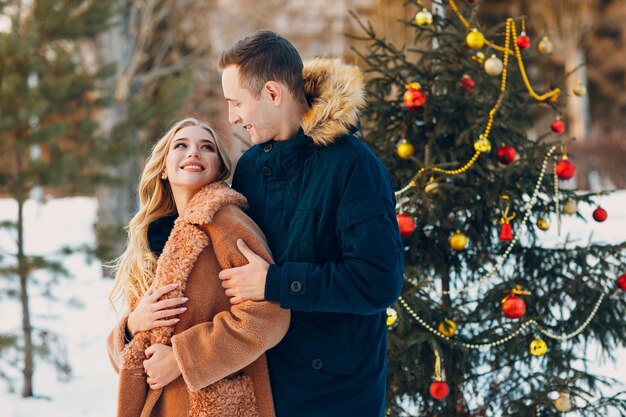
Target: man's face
[255, 115]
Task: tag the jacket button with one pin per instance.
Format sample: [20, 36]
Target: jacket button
[317, 364]
[266, 171]
[268, 147]
[296, 286]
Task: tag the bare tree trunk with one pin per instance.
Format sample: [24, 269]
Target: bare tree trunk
[577, 107]
[115, 202]
[22, 269]
[154, 39]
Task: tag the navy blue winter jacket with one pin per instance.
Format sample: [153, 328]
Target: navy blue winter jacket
[326, 205]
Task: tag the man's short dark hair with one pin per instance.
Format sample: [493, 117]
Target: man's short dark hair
[262, 57]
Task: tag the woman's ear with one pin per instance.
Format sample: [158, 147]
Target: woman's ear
[164, 175]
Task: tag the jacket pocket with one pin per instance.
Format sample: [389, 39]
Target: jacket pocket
[228, 397]
[367, 229]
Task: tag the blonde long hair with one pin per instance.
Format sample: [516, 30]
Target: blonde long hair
[135, 269]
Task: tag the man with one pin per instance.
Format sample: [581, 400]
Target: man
[327, 207]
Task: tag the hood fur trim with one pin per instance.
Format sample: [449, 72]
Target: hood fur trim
[336, 94]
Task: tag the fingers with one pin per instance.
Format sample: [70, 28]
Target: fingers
[153, 383]
[163, 323]
[161, 314]
[170, 302]
[236, 300]
[161, 291]
[150, 289]
[149, 352]
[228, 273]
[246, 251]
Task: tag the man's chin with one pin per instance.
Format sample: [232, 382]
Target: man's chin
[257, 141]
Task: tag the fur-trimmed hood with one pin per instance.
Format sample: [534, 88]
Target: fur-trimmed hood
[336, 94]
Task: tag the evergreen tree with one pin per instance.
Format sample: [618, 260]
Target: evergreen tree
[466, 278]
[49, 137]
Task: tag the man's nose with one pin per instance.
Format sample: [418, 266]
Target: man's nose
[233, 116]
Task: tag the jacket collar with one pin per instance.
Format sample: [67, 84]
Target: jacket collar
[336, 94]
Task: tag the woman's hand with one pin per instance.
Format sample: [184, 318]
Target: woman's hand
[161, 365]
[150, 312]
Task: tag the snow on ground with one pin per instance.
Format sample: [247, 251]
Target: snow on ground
[92, 390]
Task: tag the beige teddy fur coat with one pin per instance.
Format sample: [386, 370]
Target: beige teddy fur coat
[219, 347]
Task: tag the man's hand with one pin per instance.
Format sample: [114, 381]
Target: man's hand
[246, 282]
[161, 366]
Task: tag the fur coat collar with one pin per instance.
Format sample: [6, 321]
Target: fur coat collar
[336, 94]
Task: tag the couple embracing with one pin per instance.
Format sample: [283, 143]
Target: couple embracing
[267, 298]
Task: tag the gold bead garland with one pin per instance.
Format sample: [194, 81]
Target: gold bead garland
[510, 32]
[510, 27]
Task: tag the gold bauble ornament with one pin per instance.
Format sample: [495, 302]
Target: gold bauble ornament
[543, 223]
[458, 241]
[405, 150]
[580, 89]
[545, 46]
[447, 328]
[482, 145]
[475, 39]
[479, 57]
[392, 317]
[538, 347]
[432, 187]
[563, 403]
[494, 66]
[570, 206]
[424, 18]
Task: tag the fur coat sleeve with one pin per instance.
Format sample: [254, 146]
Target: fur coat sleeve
[210, 351]
[116, 343]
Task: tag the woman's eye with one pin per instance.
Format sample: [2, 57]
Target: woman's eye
[178, 145]
[210, 147]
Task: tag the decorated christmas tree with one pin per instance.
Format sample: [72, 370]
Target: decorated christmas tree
[492, 321]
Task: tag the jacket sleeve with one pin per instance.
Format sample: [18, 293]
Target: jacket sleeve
[116, 342]
[368, 277]
[234, 339]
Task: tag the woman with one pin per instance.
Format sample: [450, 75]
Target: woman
[206, 358]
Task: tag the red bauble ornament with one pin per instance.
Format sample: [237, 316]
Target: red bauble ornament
[439, 390]
[621, 282]
[600, 214]
[414, 97]
[471, 1]
[565, 169]
[523, 41]
[558, 126]
[506, 154]
[406, 224]
[468, 84]
[506, 233]
[513, 306]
